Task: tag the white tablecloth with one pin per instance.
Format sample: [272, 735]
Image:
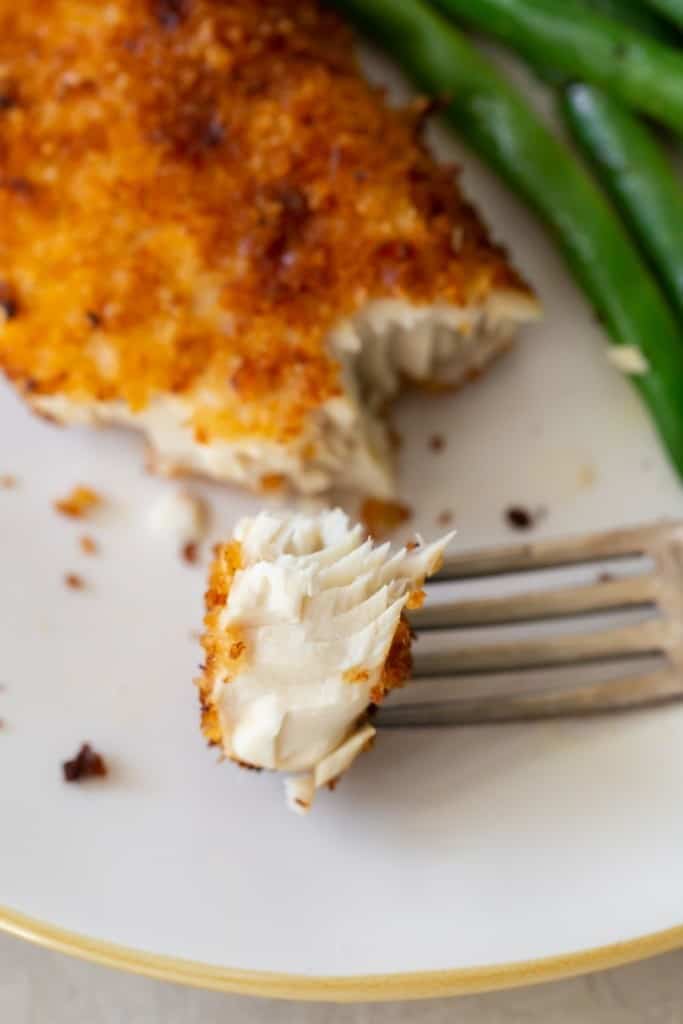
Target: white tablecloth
[38, 987]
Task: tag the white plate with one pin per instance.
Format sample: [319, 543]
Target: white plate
[444, 861]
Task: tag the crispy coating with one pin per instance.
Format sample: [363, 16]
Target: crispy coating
[399, 663]
[193, 192]
[220, 646]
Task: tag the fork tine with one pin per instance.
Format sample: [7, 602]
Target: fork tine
[638, 592]
[550, 553]
[465, 659]
[648, 690]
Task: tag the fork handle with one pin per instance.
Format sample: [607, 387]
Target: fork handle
[648, 690]
[548, 554]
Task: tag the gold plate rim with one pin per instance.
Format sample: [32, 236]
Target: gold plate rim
[360, 988]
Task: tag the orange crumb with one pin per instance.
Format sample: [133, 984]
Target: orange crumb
[416, 600]
[190, 552]
[88, 545]
[381, 517]
[74, 581]
[7, 481]
[79, 503]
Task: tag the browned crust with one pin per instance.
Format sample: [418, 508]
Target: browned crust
[129, 126]
[221, 646]
[399, 664]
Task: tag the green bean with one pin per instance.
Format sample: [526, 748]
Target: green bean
[630, 12]
[636, 14]
[672, 9]
[585, 45]
[636, 174]
[497, 122]
[629, 161]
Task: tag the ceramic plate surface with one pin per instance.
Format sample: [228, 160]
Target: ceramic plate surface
[448, 851]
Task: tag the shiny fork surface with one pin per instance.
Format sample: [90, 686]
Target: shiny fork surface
[656, 594]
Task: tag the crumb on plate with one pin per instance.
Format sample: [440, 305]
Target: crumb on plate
[191, 553]
[519, 517]
[73, 581]
[182, 515]
[87, 764]
[437, 442]
[88, 545]
[381, 517]
[629, 359]
[79, 503]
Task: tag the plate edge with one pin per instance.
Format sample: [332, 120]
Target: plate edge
[361, 988]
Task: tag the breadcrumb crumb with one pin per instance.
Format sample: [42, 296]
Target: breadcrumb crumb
[521, 518]
[382, 517]
[86, 764]
[79, 503]
[184, 516]
[190, 553]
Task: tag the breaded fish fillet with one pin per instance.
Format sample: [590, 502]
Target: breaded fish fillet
[315, 586]
[212, 228]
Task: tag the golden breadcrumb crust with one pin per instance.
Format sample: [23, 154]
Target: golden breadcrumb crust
[192, 192]
[221, 646]
[399, 664]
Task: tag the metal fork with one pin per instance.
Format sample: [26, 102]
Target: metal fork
[656, 594]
